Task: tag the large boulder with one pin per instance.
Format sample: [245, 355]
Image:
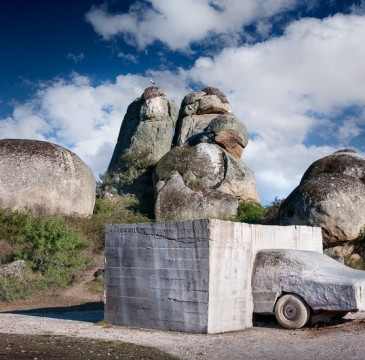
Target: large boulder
[205, 177]
[145, 136]
[331, 195]
[45, 178]
[197, 110]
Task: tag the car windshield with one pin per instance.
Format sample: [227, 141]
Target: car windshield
[298, 261]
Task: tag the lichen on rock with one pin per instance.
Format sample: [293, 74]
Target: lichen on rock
[45, 178]
[204, 175]
[331, 195]
[145, 136]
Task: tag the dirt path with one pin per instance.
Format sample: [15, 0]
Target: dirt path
[342, 341]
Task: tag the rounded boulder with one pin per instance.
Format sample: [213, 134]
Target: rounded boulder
[331, 195]
[44, 178]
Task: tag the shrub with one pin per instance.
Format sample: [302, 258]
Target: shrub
[250, 212]
[254, 213]
[50, 247]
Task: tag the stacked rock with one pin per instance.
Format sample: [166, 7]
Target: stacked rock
[197, 110]
[203, 176]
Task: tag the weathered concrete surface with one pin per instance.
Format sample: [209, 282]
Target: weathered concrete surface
[324, 283]
[45, 178]
[192, 276]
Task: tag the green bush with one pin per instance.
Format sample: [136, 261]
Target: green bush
[250, 212]
[253, 212]
[50, 247]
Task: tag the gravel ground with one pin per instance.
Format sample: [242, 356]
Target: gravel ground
[342, 341]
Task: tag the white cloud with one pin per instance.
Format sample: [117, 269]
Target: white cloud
[77, 58]
[286, 88]
[178, 24]
[316, 66]
[130, 57]
[75, 114]
[350, 128]
[283, 89]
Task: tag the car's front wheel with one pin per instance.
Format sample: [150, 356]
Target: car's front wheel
[291, 311]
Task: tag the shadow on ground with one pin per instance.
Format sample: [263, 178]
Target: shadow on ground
[90, 312]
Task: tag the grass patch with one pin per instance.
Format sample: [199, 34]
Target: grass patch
[117, 210]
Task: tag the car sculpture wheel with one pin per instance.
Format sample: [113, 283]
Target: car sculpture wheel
[292, 312]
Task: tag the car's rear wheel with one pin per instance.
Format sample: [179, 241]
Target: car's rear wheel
[291, 311]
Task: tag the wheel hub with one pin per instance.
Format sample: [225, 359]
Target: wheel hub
[290, 311]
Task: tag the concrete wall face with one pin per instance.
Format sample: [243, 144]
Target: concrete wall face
[192, 276]
[157, 275]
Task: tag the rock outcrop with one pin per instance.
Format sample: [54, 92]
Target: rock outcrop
[45, 178]
[331, 195]
[204, 176]
[197, 110]
[145, 136]
[14, 269]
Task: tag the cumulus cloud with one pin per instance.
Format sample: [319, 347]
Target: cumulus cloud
[130, 57]
[76, 58]
[76, 114]
[287, 88]
[351, 128]
[178, 24]
[284, 89]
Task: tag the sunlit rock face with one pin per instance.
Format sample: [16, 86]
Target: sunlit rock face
[145, 136]
[203, 176]
[45, 178]
[331, 194]
[197, 110]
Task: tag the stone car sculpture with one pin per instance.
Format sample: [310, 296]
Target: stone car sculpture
[296, 285]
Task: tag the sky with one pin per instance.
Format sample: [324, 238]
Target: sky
[293, 71]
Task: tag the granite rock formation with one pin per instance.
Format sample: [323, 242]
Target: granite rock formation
[45, 178]
[197, 110]
[331, 195]
[145, 136]
[204, 176]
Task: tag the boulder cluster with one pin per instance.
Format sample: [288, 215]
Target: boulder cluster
[196, 173]
[331, 194]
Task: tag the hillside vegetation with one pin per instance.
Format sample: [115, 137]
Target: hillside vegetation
[57, 249]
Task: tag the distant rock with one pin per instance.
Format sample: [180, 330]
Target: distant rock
[145, 136]
[205, 177]
[196, 112]
[331, 194]
[15, 268]
[45, 178]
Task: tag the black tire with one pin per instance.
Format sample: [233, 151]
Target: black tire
[291, 311]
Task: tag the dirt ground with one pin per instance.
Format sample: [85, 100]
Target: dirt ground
[78, 313]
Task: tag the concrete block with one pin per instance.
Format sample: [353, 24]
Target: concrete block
[192, 276]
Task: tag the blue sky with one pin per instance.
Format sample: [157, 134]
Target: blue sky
[293, 71]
